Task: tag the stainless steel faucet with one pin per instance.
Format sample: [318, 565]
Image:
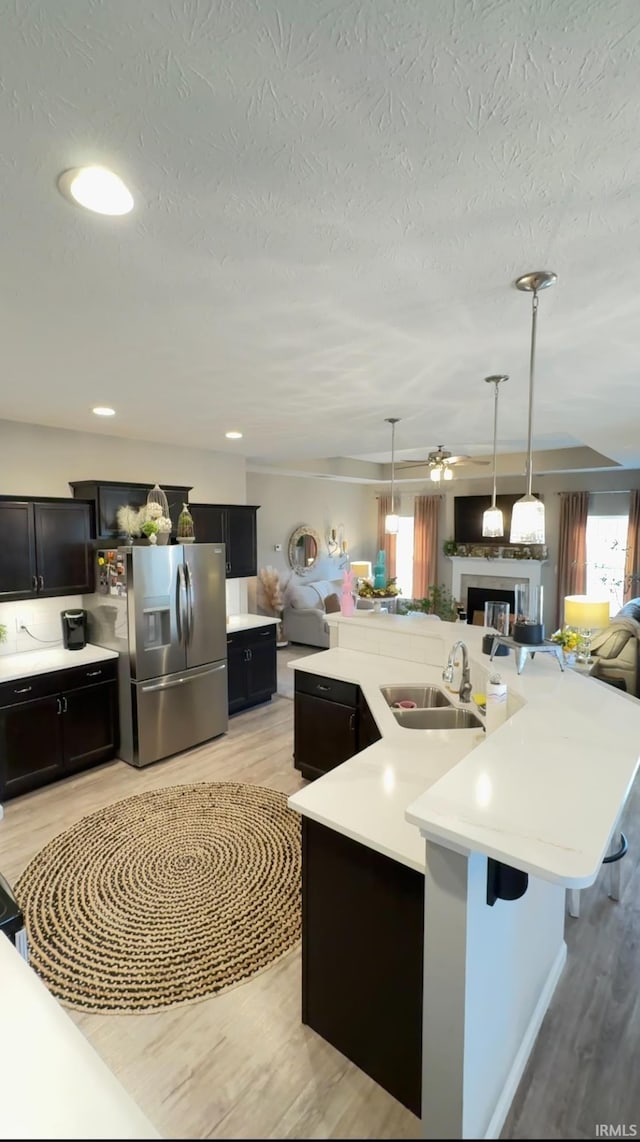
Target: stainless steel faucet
[447, 674]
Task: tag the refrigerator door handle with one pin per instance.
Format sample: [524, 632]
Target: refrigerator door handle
[187, 572]
[182, 609]
[180, 681]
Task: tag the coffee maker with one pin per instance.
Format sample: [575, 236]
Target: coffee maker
[74, 629]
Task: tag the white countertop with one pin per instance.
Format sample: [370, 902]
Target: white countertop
[44, 661]
[542, 793]
[55, 1084]
[247, 622]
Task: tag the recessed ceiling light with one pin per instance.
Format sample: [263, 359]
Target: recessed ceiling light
[233, 435]
[97, 189]
[102, 410]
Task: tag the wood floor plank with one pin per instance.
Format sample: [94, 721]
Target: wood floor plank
[242, 1065]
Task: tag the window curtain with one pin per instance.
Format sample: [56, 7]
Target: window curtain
[386, 543]
[632, 559]
[426, 511]
[572, 548]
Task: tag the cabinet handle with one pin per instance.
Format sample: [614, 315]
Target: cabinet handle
[64, 705]
[93, 673]
[319, 687]
[41, 582]
[265, 633]
[59, 706]
[24, 690]
[34, 582]
[352, 721]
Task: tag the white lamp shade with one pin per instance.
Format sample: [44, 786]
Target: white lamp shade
[586, 614]
[435, 475]
[527, 521]
[361, 570]
[448, 473]
[492, 523]
[392, 524]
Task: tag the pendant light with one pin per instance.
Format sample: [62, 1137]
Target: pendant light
[527, 517]
[392, 522]
[492, 519]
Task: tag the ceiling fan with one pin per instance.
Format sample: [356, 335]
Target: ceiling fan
[441, 462]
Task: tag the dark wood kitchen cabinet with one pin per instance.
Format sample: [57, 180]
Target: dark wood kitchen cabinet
[332, 722]
[55, 724]
[108, 495]
[251, 666]
[362, 952]
[46, 547]
[235, 526]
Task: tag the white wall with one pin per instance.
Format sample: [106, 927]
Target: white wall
[288, 501]
[40, 461]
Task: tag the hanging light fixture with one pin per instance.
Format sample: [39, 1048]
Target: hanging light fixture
[527, 517]
[492, 519]
[392, 522]
[441, 471]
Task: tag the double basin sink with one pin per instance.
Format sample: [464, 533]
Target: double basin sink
[433, 709]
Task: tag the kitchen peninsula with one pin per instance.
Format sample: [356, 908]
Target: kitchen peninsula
[539, 798]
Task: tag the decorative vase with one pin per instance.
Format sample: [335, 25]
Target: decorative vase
[185, 532]
[163, 537]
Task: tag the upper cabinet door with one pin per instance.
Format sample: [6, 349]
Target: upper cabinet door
[64, 561]
[241, 542]
[208, 523]
[17, 541]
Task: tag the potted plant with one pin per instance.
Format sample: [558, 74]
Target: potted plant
[450, 547]
[150, 529]
[438, 601]
[570, 640]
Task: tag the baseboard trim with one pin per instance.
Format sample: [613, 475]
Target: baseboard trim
[503, 1104]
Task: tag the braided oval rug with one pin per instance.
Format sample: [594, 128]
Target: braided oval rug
[164, 898]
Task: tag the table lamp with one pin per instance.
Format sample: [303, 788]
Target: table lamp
[361, 569]
[586, 616]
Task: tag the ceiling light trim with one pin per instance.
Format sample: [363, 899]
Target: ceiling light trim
[96, 188]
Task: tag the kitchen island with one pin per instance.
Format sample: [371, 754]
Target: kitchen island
[542, 796]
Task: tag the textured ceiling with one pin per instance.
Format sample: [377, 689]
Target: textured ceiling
[332, 201]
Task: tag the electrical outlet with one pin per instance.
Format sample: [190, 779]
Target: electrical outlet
[23, 619]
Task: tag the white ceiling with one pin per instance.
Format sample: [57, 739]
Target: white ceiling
[332, 202]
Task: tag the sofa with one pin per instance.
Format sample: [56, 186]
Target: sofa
[616, 650]
[306, 606]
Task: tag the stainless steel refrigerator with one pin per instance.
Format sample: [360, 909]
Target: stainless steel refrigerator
[164, 610]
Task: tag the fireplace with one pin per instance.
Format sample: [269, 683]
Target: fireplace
[478, 596]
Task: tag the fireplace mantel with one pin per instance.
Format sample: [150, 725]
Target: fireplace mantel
[492, 572]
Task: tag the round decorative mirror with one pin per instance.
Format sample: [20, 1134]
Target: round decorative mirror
[304, 549]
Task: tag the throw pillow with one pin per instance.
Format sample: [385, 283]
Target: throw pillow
[331, 604]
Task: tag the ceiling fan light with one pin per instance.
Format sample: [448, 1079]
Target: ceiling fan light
[492, 524]
[435, 475]
[392, 524]
[448, 473]
[527, 521]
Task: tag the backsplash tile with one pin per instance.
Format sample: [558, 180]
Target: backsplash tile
[42, 616]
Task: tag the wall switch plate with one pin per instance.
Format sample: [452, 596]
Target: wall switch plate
[277, 547]
[23, 619]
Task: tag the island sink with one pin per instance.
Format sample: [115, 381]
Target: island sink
[438, 718]
[425, 697]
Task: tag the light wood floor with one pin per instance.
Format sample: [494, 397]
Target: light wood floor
[241, 1065]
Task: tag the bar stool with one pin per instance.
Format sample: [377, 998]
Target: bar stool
[618, 848]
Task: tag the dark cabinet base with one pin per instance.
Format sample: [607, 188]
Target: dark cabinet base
[251, 667]
[362, 949]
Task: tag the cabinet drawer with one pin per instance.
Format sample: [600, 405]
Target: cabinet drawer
[331, 688]
[252, 637]
[26, 689]
[88, 675]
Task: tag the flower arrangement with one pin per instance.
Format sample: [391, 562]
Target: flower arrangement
[366, 590]
[569, 639]
[270, 582]
[147, 520]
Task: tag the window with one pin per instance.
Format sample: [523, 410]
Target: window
[404, 556]
[606, 548]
